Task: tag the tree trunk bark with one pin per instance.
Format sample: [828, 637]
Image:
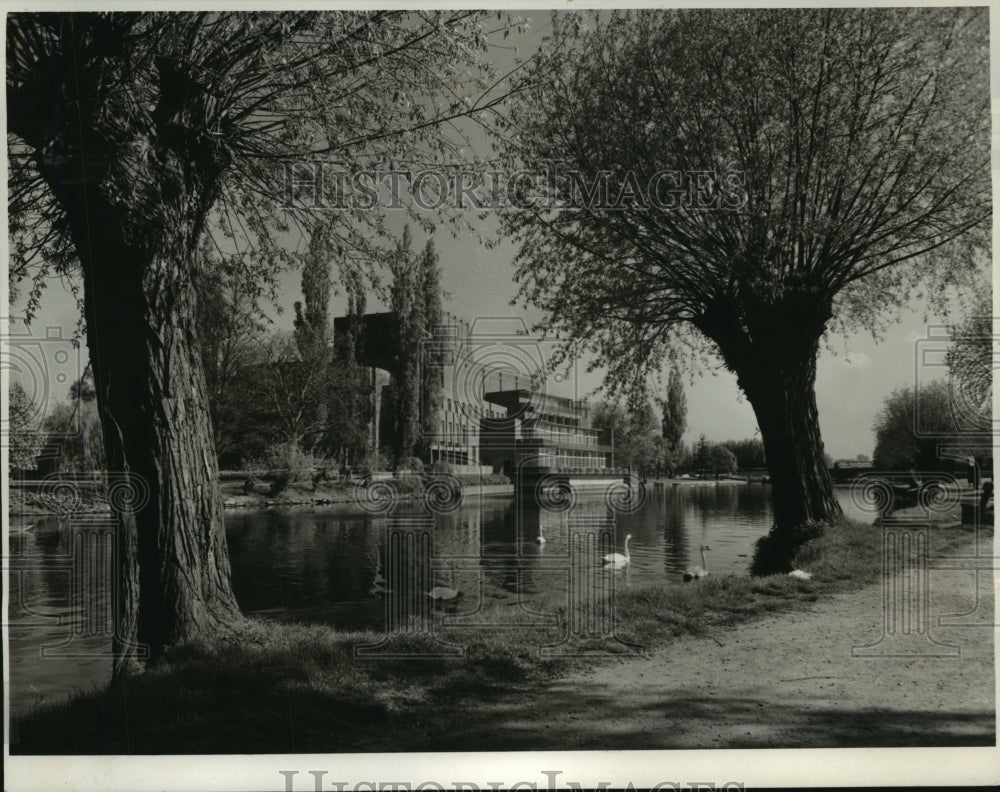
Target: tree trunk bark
[784, 401]
[140, 307]
[783, 396]
[773, 349]
[135, 192]
[174, 573]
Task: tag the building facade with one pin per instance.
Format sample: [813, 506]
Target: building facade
[543, 432]
[479, 424]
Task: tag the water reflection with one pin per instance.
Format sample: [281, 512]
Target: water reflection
[328, 567]
[59, 613]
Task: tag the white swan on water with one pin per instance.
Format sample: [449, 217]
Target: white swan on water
[539, 539]
[696, 573]
[618, 560]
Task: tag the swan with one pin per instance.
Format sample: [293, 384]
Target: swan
[617, 559]
[441, 594]
[695, 573]
[799, 574]
[540, 539]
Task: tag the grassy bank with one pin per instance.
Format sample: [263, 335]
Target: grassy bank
[294, 688]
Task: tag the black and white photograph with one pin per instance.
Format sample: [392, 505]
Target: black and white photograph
[533, 397]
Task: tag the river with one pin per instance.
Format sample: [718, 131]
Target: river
[330, 567]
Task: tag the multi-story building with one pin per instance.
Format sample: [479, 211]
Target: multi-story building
[482, 426]
[543, 432]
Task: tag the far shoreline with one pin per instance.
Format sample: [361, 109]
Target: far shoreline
[342, 496]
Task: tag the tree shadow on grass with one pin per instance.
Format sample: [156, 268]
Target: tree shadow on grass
[584, 720]
[263, 712]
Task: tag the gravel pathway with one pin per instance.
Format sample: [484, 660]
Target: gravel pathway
[786, 681]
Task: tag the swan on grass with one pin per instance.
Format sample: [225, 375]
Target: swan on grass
[696, 573]
[800, 574]
[619, 560]
[445, 594]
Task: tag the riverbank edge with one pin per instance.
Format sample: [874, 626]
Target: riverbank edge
[236, 694]
[336, 499]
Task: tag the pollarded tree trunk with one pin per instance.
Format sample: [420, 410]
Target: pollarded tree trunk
[782, 394]
[173, 559]
[157, 428]
[773, 350]
[135, 214]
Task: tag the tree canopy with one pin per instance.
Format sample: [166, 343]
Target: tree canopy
[674, 407]
[970, 367]
[745, 161]
[742, 181]
[911, 426]
[23, 435]
[244, 102]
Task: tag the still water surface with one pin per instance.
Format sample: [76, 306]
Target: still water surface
[321, 566]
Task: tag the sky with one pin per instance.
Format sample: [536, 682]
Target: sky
[854, 375]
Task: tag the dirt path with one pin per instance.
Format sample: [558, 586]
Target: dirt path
[785, 681]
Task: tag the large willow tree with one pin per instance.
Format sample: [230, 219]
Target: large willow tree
[740, 182]
[131, 137]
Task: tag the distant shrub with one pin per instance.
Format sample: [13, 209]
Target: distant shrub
[411, 465]
[374, 461]
[288, 464]
[409, 485]
[482, 478]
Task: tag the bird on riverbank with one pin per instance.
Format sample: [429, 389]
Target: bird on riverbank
[443, 595]
[800, 574]
[618, 560]
[696, 573]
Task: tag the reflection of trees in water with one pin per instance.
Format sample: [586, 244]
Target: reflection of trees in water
[41, 575]
[675, 548]
[332, 562]
[286, 559]
[61, 585]
[458, 533]
[733, 500]
[66, 612]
